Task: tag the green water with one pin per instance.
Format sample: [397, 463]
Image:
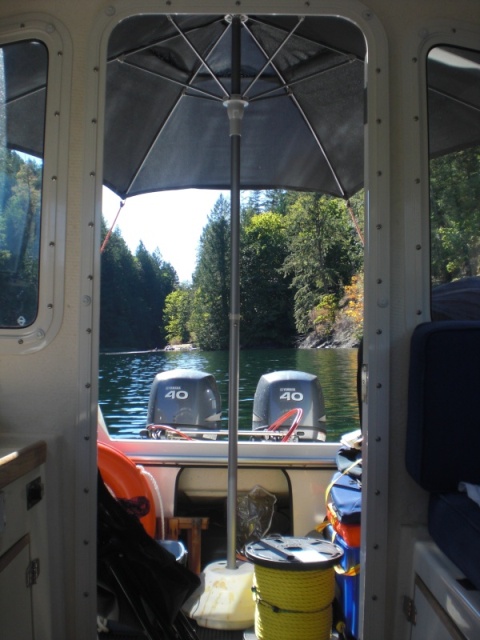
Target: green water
[125, 381]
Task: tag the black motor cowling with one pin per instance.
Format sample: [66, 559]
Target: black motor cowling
[280, 391]
[185, 398]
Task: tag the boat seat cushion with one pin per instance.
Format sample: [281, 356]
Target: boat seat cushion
[443, 427]
[454, 524]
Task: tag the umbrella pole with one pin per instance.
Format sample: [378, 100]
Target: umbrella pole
[234, 337]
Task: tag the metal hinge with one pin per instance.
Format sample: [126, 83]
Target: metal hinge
[409, 610]
[33, 571]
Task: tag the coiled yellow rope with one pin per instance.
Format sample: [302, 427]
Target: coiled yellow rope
[293, 605]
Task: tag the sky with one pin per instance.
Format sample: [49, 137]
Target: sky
[171, 221]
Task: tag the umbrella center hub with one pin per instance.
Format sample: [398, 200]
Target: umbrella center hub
[235, 109]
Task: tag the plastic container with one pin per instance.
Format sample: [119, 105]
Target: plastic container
[348, 582]
[224, 599]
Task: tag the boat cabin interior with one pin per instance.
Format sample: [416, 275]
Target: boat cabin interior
[396, 86]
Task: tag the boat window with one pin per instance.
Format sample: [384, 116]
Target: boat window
[453, 75]
[23, 74]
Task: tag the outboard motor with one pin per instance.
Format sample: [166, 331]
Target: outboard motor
[185, 398]
[280, 391]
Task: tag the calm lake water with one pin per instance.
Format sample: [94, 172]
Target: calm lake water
[125, 381]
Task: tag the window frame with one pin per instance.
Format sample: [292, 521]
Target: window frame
[38, 334]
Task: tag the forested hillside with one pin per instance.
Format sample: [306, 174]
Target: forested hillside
[133, 293]
[298, 253]
[301, 264]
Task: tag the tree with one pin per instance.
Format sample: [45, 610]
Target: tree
[119, 301]
[455, 215]
[157, 280]
[133, 293]
[209, 321]
[324, 253]
[20, 203]
[266, 296]
[177, 315]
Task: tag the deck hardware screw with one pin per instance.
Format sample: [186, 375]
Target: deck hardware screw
[90, 277]
[85, 594]
[376, 546]
[94, 121]
[378, 70]
[417, 180]
[92, 174]
[56, 114]
[367, 15]
[454, 30]
[414, 60]
[379, 226]
[378, 439]
[379, 281]
[51, 243]
[86, 542]
[416, 118]
[379, 121]
[87, 300]
[110, 11]
[20, 341]
[379, 332]
[379, 385]
[87, 385]
[89, 330]
[90, 224]
[419, 312]
[59, 54]
[379, 173]
[22, 25]
[50, 28]
[418, 247]
[377, 492]
[54, 178]
[86, 490]
[87, 438]
[49, 305]
[374, 597]
[96, 69]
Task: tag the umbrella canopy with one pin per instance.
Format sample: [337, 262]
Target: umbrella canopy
[302, 81]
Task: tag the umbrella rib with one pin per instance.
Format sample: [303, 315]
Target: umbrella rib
[185, 85]
[270, 59]
[292, 83]
[26, 94]
[319, 144]
[464, 103]
[330, 47]
[304, 116]
[145, 47]
[201, 59]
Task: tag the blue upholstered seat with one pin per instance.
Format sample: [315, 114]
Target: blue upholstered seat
[443, 434]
